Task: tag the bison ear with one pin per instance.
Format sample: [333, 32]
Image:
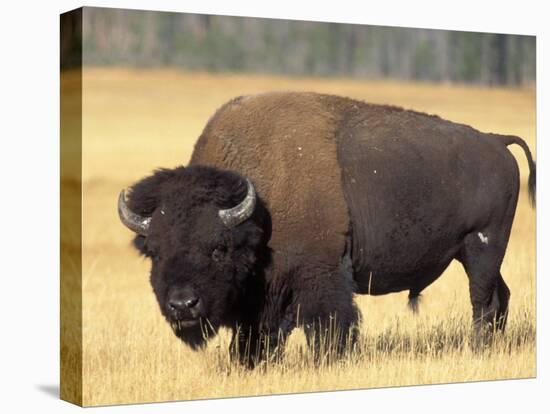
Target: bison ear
[139, 244]
[248, 235]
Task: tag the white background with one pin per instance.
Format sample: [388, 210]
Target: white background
[29, 204]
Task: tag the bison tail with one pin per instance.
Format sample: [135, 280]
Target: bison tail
[532, 181]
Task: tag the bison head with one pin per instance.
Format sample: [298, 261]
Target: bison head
[203, 230]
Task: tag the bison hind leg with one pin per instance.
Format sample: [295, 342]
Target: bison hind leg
[481, 257]
[414, 301]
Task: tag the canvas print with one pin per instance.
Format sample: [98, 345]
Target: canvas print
[258, 206]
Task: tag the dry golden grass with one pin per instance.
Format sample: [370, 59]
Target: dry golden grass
[137, 120]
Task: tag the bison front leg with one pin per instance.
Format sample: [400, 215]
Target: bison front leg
[330, 338]
[252, 345]
[329, 316]
[243, 342]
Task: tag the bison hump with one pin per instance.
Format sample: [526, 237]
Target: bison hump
[285, 143]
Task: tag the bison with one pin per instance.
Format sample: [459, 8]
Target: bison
[293, 202]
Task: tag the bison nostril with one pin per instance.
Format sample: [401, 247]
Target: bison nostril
[191, 302]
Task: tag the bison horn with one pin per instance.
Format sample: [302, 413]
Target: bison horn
[234, 216]
[133, 221]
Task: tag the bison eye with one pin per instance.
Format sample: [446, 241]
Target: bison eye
[218, 253]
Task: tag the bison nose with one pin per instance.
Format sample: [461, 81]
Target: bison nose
[179, 304]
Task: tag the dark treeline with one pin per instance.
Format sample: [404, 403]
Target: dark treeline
[220, 43]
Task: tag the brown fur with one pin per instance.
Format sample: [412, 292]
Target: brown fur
[285, 142]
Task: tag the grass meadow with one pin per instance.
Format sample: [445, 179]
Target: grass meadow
[137, 120]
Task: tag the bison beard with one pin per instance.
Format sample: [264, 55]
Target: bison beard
[194, 336]
[294, 202]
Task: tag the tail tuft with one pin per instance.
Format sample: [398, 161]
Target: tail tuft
[532, 186]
